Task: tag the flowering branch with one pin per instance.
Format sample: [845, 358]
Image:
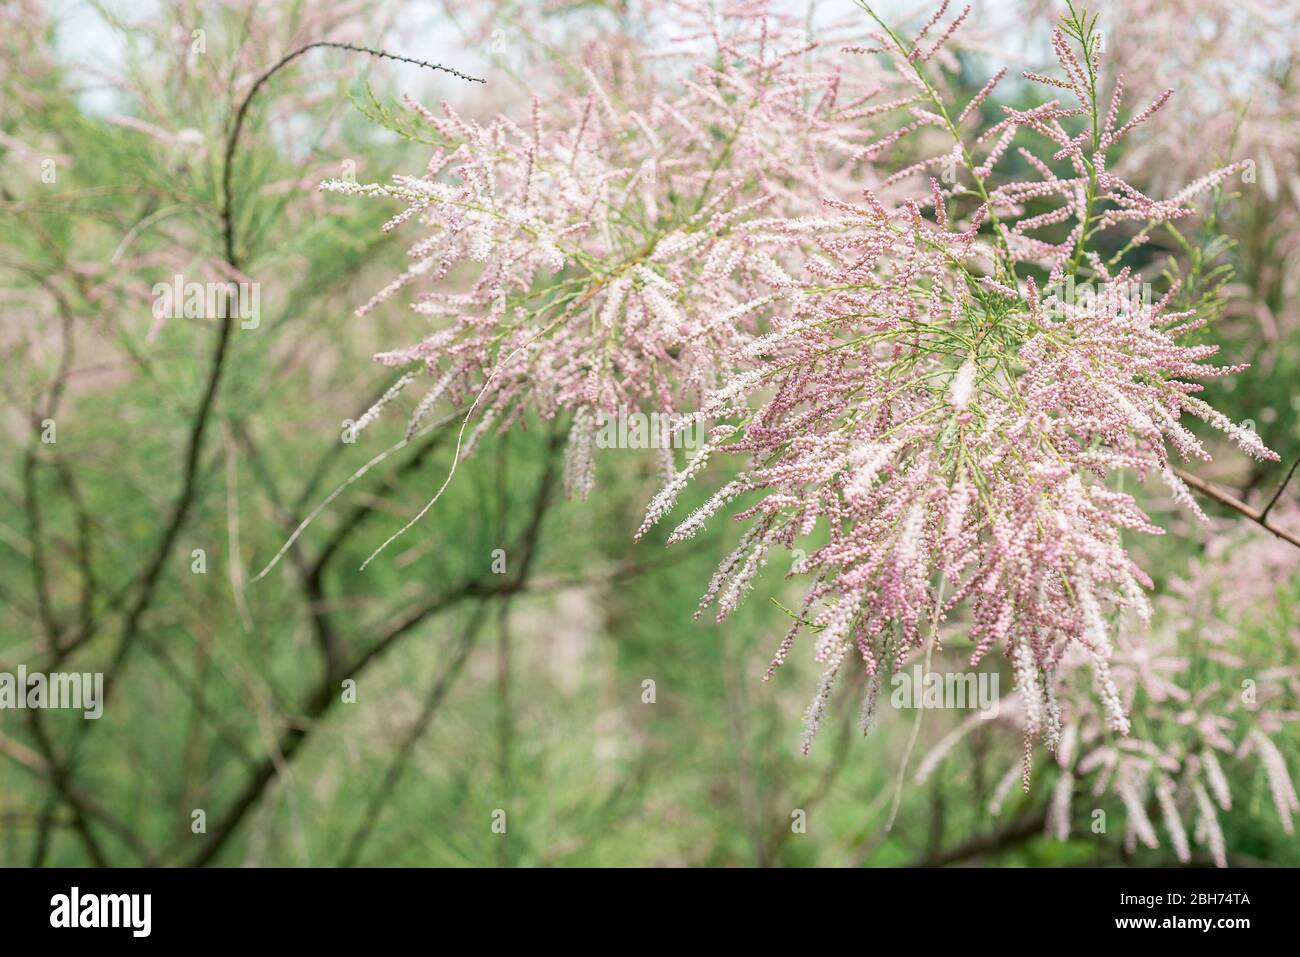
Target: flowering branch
[948, 427]
[903, 359]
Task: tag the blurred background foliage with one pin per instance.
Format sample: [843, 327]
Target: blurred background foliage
[476, 691]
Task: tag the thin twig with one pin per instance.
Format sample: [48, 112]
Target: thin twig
[1237, 505]
[232, 143]
[1263, 515]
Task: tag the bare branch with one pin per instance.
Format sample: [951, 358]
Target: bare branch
[1263, 515]
[1237, 505]
[437, 692]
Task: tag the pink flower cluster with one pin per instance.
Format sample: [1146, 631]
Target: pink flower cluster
[950, 428]
[601, 237]
[1209, 716]
[907, 366]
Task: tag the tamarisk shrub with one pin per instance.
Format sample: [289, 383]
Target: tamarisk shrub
[941, 407]
[590, 254]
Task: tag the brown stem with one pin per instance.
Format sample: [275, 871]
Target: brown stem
[1009, 835]
[1237, 505]
[1280, 489]
[232, 142]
